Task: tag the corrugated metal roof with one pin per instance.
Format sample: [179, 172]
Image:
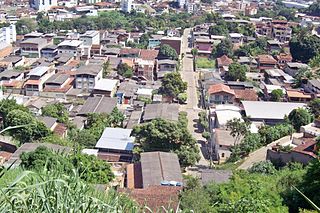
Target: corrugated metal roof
[38, 71]
[116, 138]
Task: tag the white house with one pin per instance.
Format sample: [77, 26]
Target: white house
[8, 34]
[74, 47]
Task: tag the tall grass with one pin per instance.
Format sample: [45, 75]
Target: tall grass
[52, 192]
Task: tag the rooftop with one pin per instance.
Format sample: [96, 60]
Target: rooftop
[161, 110]
[106, 84]
[269, 110]
[72, 43]
[89, 69]
[98, 104]
[159, 166]
[116, 138]
[38, 71]
[220, 88]
[57, 79]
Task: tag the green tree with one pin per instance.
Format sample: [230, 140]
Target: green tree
[125, 70]
[263, 167]
[218, 30]
[34, 129]
[276, 95]
[304, 47]
[163, 135]
[237, 129]
[168, 52]
[172, 85]
[314, 107]
[302, 76]
[237, 72]
[7, 105]
[25, 25]
[299, 117]
[58, 111]
[223, 48]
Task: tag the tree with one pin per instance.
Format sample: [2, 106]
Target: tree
[90, 168]
[263, 167]
[237, 72]
[25, 25]
[237, 128]
[194, 52]
[276, 95]
[167, 136]
[223, 48]
[218, 30]
[302, 76]
[168, 52]
[314, 107]
[34, 129]
[182, 97]
[125, 70]
[6, 106]
[304, 47]
[58, 111]
[172, 85]
[299, 117]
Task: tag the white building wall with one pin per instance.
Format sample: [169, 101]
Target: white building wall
[126, 5]
[8, 35]
[43, 5]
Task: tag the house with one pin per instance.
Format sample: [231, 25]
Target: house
[90, 37]
[222, 143]
[115, 145]
[220, 94]
[174, 42]
[292, 68]
[10, 62]
[49, 51]
[278, 77]
[281, 31]
[251, 62]
[245, 95]
[126, 92]
[37, 77]
[313, 86]
[238, 85]
[274, 45]
[31, 48]
[144, 69]
[144, 93]
[223, 61]
[86, 77]
[150, 55]
[129, 53]
[49, 122]
[98, 104]
[73, 47]
[264, 111]
[162, 110]
[283, 59]
[106, 87]
[35, 105]
[236, 38]
[204, 46]
[154, 41]
[166, 66]
[57, 86]
[294, 95]
[266, 62]
[303, 151]
[160, 168]
[222, 114]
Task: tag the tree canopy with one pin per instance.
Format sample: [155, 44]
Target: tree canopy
[314, 107]
[172, 85]
[299, 117]
[276, 95]
[57, 110]
[304, 47]
[168, 136]
[223, 48]
[89, 167]
[125, 70]
[237, 72]
[168, 52]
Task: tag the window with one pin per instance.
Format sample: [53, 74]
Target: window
[222, 155]
[225, 98]
[217, 97]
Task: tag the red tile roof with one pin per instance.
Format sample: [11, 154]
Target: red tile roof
[149, 54]
[60, 130]
[32, 82]
[266, 59]
[220, 88]
[246, 94]
[125, 51]
[155, 197]
[224, 61]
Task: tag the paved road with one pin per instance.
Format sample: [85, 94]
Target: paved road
[261, 154]
[192, 102]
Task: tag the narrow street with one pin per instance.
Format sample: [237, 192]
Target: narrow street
[192, 102]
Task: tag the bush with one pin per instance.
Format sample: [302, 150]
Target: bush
[205, 63]
[264, 167]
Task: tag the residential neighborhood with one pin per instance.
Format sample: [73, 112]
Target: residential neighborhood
[159, 106]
